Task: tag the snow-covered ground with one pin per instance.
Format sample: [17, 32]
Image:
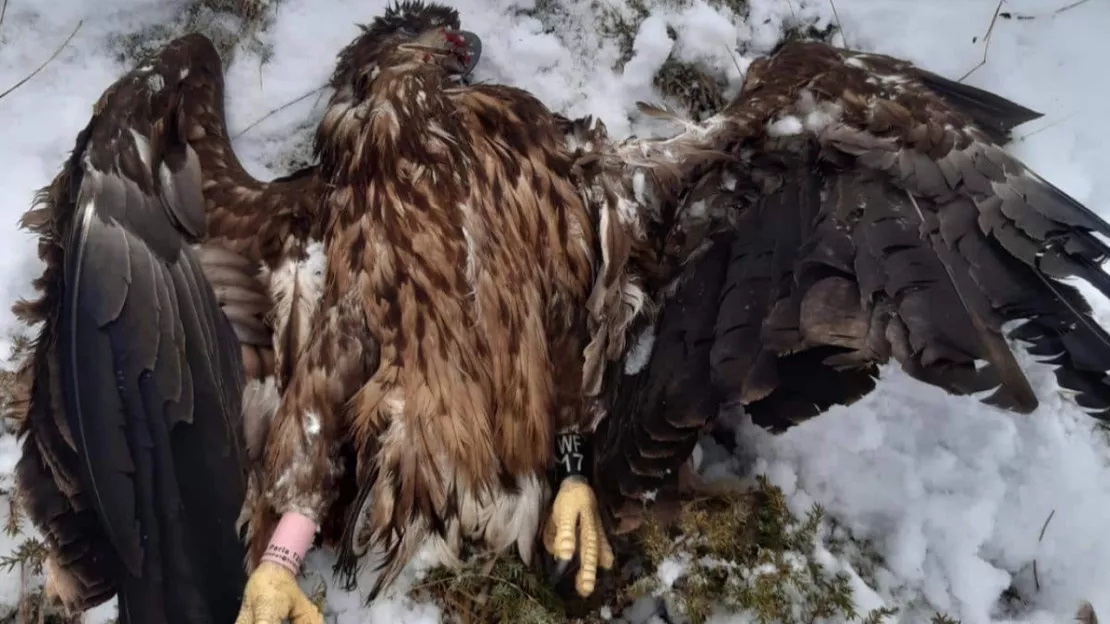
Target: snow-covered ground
[952, 494]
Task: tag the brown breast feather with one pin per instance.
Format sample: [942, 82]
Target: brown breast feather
[458, 256]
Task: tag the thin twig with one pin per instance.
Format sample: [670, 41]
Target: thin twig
[3, 10]
[1069, 7]
[45, 63]
[277, 110]
[986, 42]
[24, 607]
[839, 25]
[1045, 127]
[1036, 578]
[485, 576]
[735, 62]
[497, 579]
[1045, 526]
[1053, 14]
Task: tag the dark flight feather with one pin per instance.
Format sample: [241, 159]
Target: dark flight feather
[134, 461]
[891, 226]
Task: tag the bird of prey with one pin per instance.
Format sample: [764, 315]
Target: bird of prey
[468, 294]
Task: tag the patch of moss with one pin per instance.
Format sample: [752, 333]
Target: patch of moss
[863, 554]
[7, 393]
[496, 589]
[33, 607]
[9, 382]
[30, 555]
[614, 25]
[743, 553]
[748, 554]
[810, 32]
[698, 92]
[26, 562]
[693, 87]
[228, 23]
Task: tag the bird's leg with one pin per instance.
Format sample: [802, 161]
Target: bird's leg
[272, 593]
[301, 463]
[575, 521]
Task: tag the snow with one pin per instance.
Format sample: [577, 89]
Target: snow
[952, 494]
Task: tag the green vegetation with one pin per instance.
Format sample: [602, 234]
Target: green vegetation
[695, 88]
[228, 23]
[745, 553]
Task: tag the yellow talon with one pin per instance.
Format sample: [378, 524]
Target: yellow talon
[272, 596]
[575, 507]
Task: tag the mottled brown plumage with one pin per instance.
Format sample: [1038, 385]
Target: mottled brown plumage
[407, 313]
[866, 212]
[464, 275]
[447, 346]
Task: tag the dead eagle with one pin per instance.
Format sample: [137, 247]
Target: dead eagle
[402, 340]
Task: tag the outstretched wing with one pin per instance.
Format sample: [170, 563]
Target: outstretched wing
[872, 214]
[133, 464]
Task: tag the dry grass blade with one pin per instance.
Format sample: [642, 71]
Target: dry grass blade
[839, 25]
[986, 43]
[1070, 7]
[3, 10]
[1053, 14]
[45, 63]
[1045, 127]
[485, 589]
[1045, 525]
[1036, 578]
[276, 111]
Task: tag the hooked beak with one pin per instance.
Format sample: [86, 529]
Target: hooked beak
[457, 51]
[472, 45]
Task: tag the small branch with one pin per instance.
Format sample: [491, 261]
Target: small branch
[3, 10]
[1036, 577]
[1015, 16]
[24, 608]
[839, 25]
[735, 63]
[1045, 526]
[1051, 15]
[986, 42]
[276, 111]
[1044, 127]
[1054, 13]
[45, 63]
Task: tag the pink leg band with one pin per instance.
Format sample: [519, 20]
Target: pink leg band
[291, 540]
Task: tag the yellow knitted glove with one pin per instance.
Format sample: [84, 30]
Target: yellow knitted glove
[576, 507]
[272, 595]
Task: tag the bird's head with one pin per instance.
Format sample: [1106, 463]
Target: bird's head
[409, 33]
